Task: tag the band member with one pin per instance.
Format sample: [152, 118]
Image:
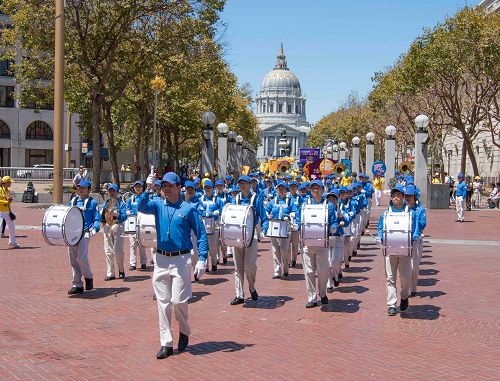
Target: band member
[210, 208]
[78, 255]
[6, 215]
[132, 211]
[395, 263]
[114, 214]
[315, 259]
[224, 198]
[282, 209]
[246, 258]
[378, 184]
[411, 198]
[191, 197]
[156, 189]
[175, 219]
[294, 235]
[460, 197]
[369, 190]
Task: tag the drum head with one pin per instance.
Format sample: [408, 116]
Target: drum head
[73, 226]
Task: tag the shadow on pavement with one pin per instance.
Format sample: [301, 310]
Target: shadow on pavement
[212, 281]
[216, 346]
[349, 289]
[353, 279]
[220, 271]
[357, 259]
[267, 302]
[98, 293]
[427, 263]
[136, 278]
[427, 282]
[422, 312]
[361, 255]
[197, 296]
[430, 294]
[295, 277]
[22, 248]
[342, 305]
[428, 272]
[362, 269]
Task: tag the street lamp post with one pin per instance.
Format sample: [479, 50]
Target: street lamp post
[342, 146]
[207, 151]
[335, 149]
[370, 151]
[239, 153]
[158, 84]
[355, 154]
[449, 152]
[231, 150]
[390, 153]
[222, 150]
[421, 140]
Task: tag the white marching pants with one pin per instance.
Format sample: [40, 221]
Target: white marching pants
[134, 246]
[79, 260]
[418, 248]
[280, 248]
[294, 245]
[10, 225]
[392, 265]
[172, 286]
[213, 247]
[378, 195]
[459, 205]
[347, 249]
[335, 254]
[113, 248]
[245, 261]
[316, 260]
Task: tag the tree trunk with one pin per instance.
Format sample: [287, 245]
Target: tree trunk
[176, 148]
[170, 151]
[111, 141]
[472, 155]
[96, 140]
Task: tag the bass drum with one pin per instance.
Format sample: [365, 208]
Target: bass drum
[63, 225]
[237, 225]
[314, 225]
[397, 234]
[146, 230]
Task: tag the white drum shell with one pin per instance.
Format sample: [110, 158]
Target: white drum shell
[131, 225]
[146, 230]
[63, 225]
[237, 225]
[397, 234]
[278, 229]
[314, 225]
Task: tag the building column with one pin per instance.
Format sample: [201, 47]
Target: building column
[275, 146]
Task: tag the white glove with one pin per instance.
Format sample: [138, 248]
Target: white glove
[286, 218]
[292, 215]
[92, 232]
[129, 212]
[262, 235]
[216, 213]
[199, 269]
[295, 227]
[115, 213]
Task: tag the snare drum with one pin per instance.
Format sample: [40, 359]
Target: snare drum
[63, 225]
[209, 224]
[278, 229]
[130, 225]
[237, 225]
[146, 230]
[397, 234]
[314, 225]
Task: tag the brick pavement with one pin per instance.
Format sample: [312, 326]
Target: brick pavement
[451, 330]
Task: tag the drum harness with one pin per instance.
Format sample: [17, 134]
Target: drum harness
[281, 206]
[252, 204]
[82, 208]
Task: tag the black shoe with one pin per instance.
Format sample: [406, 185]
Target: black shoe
[413, 294]
[350, 257]
[254, 294]
[224, 261]
[121, 275]
[165, 352]
[214, 268]
[75, 290]
[276, 276]
[237, 301]
[354, 253]
[359, 245]
[154, 296]
[404, 304]
[109, 277]
[230, 255]
[324, 300]
[346, 265]
[340, 276]
[89, 284]
[293, 264]
[152, 262]
[391, 311]
[336, 282]
[329, 290]
[311, 305]
[143, 267]
[132, 268]
[183, 342]
[285, 275]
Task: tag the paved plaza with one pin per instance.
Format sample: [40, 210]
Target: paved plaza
[449, 332]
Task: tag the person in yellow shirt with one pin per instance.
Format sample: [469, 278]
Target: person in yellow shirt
[205, 178]
[436, 179]
[346, 181]
[5, 212]
[378, 184]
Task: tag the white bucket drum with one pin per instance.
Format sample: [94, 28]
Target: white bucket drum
[314, 225]
[63, 225]
[237, 225]
[209, 224]
[146, 230]
[397, 234]
[278, 229]
[130, 225]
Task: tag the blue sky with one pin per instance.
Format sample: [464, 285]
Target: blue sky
[333, 46]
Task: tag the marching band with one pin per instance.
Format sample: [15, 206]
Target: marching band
[191, 229]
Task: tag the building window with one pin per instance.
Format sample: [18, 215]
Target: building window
[271, 108]
[6, 96]
[4, 130]
[280, 108]
[264, 108]
[289, 109]
[39, 130]
[5, 68]
[270, 146]
[296, 109]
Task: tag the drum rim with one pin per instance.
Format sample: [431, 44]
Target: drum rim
[44, 225]
[244, 232]
[64, 228]
[303, 223]
[137, 229]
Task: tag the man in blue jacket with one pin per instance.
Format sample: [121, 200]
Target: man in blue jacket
[460, 197]
[174, 219]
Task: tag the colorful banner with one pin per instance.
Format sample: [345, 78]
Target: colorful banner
[308, 155]
[379, 168]
[319, 168]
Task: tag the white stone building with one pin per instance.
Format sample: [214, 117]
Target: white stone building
[281, 106]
